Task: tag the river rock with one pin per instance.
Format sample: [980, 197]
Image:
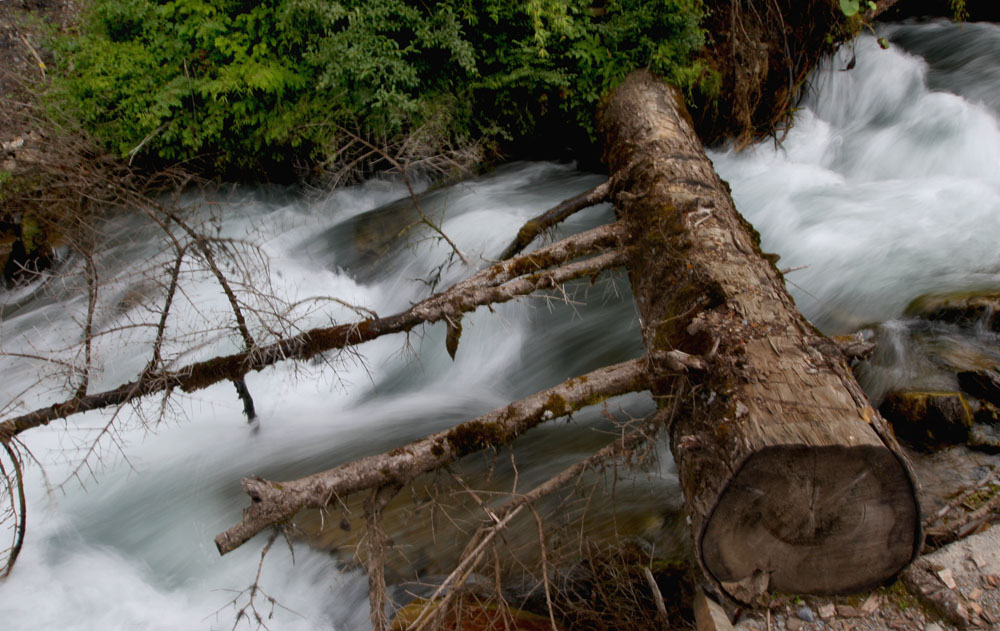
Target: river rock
[928, 420]
[982, 384]
[805, 613]
[984, 438]
[959, 352]
[986, 413]
[964, 309]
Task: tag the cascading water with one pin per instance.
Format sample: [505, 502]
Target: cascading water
[886, 188]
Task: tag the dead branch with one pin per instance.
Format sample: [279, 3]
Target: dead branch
[274, 503]
[165, 311]
[14, 480]
[536, 225]
[376, 541]
[308, 344]
[594, 240]
[88, 329]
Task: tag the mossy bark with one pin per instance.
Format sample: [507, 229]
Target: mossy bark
[791, 480]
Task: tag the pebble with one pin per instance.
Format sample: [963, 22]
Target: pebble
[847, 611]
[933, 626]
[805, 613]
[793, 624]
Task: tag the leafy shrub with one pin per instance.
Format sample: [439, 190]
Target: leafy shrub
[243, 87]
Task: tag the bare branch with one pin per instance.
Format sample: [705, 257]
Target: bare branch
[274, 502]
[311, 343]
[375, 544]
[165, 311]
[14, 480]
[88, 329]
[536, 225]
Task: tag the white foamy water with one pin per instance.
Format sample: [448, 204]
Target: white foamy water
[888, 185]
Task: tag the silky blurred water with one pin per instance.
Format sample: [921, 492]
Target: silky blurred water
[888, 185]
[886, 188]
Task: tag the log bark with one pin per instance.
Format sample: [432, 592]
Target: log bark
[792, 481]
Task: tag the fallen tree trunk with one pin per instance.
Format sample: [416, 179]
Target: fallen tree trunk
[792, 481]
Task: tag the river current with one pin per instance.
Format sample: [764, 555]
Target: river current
[886, 188]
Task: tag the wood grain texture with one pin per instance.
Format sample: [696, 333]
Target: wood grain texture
[791, 480]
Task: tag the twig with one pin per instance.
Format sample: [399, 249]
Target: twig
[21, 515]
[545, 567]
[661, 607]
[375, 558]
[34, 53]
[962, 497]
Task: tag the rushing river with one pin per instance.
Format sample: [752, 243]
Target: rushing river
[886, 188]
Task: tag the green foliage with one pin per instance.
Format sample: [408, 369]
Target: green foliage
[244, 86]
[959, 12]
[850, 8]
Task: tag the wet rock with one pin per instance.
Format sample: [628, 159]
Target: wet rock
[928, 420]
[963, 309]
[985, 438]
[982, 384]
[958, 351]
[985, 413]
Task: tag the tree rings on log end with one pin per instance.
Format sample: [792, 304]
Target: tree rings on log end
[818, 520]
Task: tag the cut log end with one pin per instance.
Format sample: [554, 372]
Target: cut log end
[828, 520]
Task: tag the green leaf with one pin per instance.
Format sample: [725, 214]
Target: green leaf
[850, 7]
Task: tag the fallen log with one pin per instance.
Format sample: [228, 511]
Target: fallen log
[792, 482]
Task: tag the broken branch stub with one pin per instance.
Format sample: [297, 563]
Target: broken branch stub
[791, 480]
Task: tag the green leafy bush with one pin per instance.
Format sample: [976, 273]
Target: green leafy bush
[243, 87]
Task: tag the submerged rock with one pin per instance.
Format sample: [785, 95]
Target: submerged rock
[986, 413]
[963, 309]
[928, 420]
[984, 438]
[982, 384]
